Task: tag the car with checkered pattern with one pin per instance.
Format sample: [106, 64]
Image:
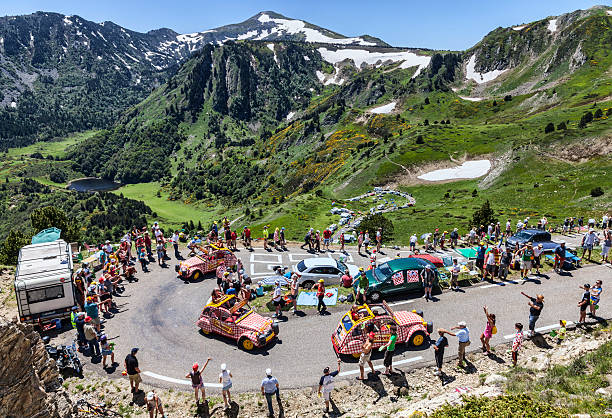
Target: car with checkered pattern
[350, 334]
[235, 320]
[397, 276]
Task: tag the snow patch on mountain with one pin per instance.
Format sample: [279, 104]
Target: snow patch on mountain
[480, 78]
[248, 35]
[552, 25]
[472, 99]
[360, 57]
[270, 47]
[384, 109]
[293, 27]
[517, 28]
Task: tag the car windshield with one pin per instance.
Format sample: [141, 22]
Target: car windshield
[382, 272]
[301, 266]
[342, 267]
[523, 235]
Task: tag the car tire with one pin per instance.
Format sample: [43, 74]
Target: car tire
[196, 275]
[308, 284]
[245, 344]
[375, 297]
[417, 339]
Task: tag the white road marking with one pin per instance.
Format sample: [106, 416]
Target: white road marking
[178, 381]
[501, 284]
[402, 303]
[546, 328]
[381, 366]
[276, 258]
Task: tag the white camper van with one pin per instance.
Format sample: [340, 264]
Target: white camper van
[43, 282]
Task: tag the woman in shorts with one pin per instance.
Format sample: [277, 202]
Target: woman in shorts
[595, 296]
[225, 378]
[486, 335]
[196, 380]
[107, 350]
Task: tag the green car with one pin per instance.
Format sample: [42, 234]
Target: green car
[396, 276]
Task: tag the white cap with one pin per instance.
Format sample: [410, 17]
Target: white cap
[223, 366]
[462, 324]
[150, 396]
[268, 372]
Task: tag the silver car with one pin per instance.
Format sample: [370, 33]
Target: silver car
[311, 270]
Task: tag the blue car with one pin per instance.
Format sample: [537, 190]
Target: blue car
[536, 236]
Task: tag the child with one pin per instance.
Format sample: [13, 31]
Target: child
[517, 343]
[196, 380]
[562, 331]
[107, 350]
[439, 346]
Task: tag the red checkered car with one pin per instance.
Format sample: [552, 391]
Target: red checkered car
[351, 331]
[207, 259]
[235, 320]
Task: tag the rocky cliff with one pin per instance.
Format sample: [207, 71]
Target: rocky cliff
[29, 380]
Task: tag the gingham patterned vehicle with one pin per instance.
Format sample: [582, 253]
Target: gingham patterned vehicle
[349, 336]
[206, 260]
[237, 322]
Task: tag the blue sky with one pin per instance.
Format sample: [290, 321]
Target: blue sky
[439, 25]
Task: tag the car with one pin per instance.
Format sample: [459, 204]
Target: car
[536, 236]
[206, 259]
[236, 320]
[349, 335]
[311, 270]
[396, 276]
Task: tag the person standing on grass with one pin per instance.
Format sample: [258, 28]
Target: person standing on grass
[517, 343]
[595, 296]
[606, 244]
[455, 270]
[362, 287]
[132, 370]
[535, 309]
[537, 254]
[509, 228]
[389, 350]
[454, 237]
[463, 335]
[225, 378]
[326, 384]
[439, 346]
[584, 303]
[488, 332]
[266, 235]
[277, 298]
[366, 357]
[480, 259]
[295, 291]
[154, 405]
[490, 267]
[269, 388]
[197, 382]
[526, 254]
[321, 307]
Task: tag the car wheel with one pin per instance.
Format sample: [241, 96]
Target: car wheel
[417, 339]
[375, 297]
[308, 284]
[203, 331]
[196, 275]
[246, 344]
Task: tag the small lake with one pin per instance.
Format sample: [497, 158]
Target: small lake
[92, 184]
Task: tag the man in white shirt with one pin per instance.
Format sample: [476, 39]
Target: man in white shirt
[537, 253]
[326, 384]
[295, 291]
[588, 242]
[175, 243]
[277, 299]
[413, 242]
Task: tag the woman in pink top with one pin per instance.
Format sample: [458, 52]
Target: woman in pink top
[488, 331]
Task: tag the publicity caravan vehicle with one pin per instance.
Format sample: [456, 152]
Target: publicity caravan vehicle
[43, 282]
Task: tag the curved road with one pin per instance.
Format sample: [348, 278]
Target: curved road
[158, 314]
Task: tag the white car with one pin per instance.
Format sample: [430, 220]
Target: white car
[311, 270]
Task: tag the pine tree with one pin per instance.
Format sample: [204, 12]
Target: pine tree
[483, 216]
[549, 128]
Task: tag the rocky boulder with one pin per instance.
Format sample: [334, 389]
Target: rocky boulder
[30, 383]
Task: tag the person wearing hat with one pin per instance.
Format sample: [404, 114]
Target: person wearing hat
[321, 307]
[326, 384]
[225, 378]
[133, 372]
[92, 311]
[588, 241]
[148, 243]
[535, 309]
[295, 291]
[454, 237]
[562, 331]
[108, 248]
[537, 254]
[427, 277]
[154, 405]
[107, 350]
[480, 258]
[269, 388]
[584, 303]
[463, 336]
[283, 241]
[526, 255]
[559, 257]
[413, 242]
[443, 239]
[196, 380]
[92, 337]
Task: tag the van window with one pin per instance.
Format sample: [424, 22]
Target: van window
[45, 293]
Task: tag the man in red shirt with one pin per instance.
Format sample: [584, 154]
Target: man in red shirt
[326, 238]
[147, 243]
[321, 307]
[247, 237]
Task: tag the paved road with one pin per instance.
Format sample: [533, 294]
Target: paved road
[158, 312]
